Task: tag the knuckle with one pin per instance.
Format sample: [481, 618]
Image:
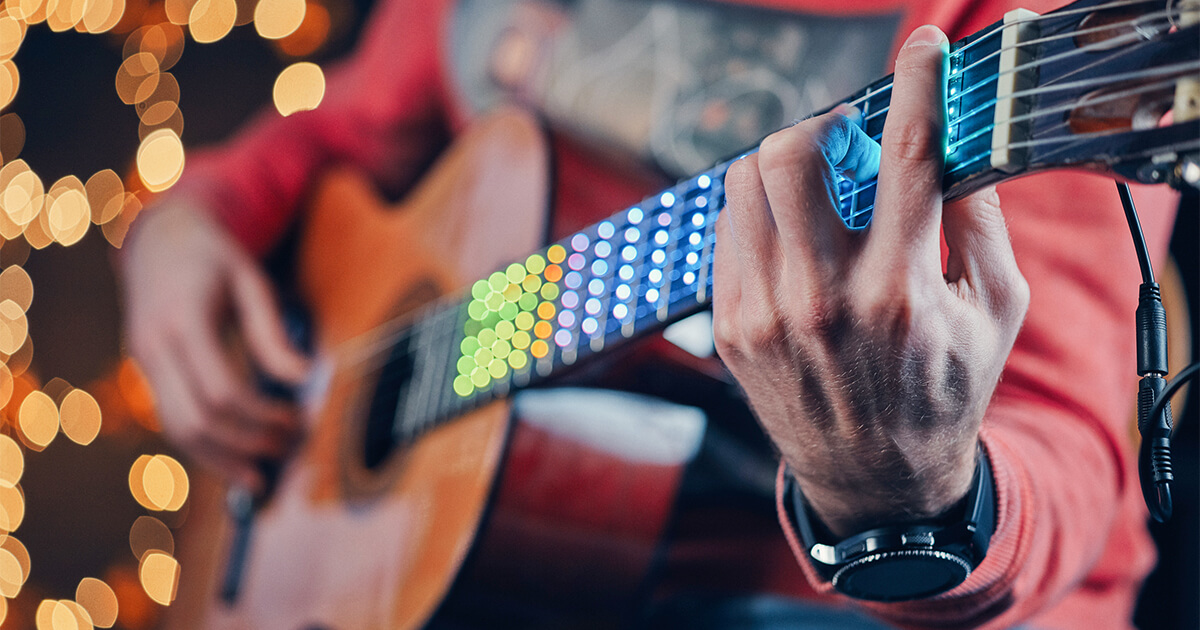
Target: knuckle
[912, 140]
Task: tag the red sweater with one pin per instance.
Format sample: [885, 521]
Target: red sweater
[1070, 548]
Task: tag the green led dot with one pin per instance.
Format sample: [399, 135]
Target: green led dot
[472, 327]
[535, 264]
[525, 320]
[497, 369]
[469, 346]
[515, 272]
[477, 310]
[509, 311]
[480, 377]
[531, 283]
[498, 281]
[500, 349]
[550, 291]
[505, 330]
[480, 289]
[463, 385]
[483, 356]
[521, 340]
[517, 360]
[528, 301]
[465, 365]
[494, 301]
[491, 320]
[512, 293]
[487, 337]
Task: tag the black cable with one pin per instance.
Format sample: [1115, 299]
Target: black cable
[1135, 230]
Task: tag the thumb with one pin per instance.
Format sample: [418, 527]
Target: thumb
[263, 325]
[981, 259]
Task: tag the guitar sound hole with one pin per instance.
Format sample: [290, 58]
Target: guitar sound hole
[391, 389]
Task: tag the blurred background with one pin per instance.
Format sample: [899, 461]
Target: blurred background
[99, 103]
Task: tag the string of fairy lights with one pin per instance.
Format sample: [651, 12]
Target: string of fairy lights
[35, 214]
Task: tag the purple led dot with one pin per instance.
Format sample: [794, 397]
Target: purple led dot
[579, 242]
[664, 219]
[573, 280]
[566, 319]
[576, 261]
[570, 299]
[562, 338]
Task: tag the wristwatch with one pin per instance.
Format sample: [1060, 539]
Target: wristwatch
[903, 562]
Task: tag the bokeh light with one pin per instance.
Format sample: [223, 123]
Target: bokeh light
[16, 285]
[12, 462]
[150, 534]
[105, 194]
[211, 20]
[10, 82]
[12, 137]
[12, 507]
[80, 417]
[158, 483]
[99, 600]
[311, 35]
[14, 327]
[300, 87]
[159, 574]
[38, 417]
[276, 19]
[160, 160]
[12, 33]
[137, 78]
[102, 15]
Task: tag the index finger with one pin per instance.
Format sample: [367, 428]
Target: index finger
[908, 209]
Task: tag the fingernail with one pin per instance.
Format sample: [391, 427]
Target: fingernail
[928, 35]
[849, 111]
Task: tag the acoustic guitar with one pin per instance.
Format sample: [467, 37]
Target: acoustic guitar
[416, 490]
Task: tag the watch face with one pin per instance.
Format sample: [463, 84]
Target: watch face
[901, 575]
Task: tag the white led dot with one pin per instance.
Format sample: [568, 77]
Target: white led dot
[634, 215]
[620, 311]
[698, 219]
[603, 249]
[692, 258]
[655, 275]
[689, 278]
[664, 219]
[667, 200]
[652, 295]
[694, 239]
[592, 306]
[562, 338]
[632, 234]
[702, 202]
[579, 242]
[606, 229]
[629, 252]
[596, 286]
[623, 291]
[599, 268]
[660, 237]
[659, 256]
[704, 181]
[590, 326]
[570, 299]
[566, 319]
[625, 272]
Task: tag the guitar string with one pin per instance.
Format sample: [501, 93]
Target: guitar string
[387, 334]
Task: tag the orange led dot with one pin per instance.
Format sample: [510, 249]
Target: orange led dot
[539, 349]
[276, 19]
[38, 419]
[102, 15]
[160, 160]
[543, 330]
[553, 273]
[556, 253]
[12, 33]
[12, 507]
[300, 87]
[210, 20]
[545, 310]
[159, 575]
[80, 417]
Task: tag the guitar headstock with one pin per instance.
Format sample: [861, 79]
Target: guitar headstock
[1108, 85]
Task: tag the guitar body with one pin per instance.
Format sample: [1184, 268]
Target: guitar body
[341, 545]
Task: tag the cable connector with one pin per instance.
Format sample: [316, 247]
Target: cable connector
[1154, 457]
[1151, 331]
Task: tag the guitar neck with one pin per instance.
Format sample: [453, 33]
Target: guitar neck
[651, 264]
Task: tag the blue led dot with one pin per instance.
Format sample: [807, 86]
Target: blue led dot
[658, 256]
[579, 242]
[667, 200]
[623, 291]
[603, 249]
[570, 299]
[629, 252]
[599, 268]
[590, 326]
[573, 280]
[596, 286]
[606, 229]
[632, 234]
[634, 215]
[704, 181]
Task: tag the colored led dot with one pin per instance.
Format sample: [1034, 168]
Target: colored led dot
[629, 252]
[689, 278]
[625, 272]
[698, 219]
[599, 268]
[512, 292]
[596, 286]
[623, 292]
[518, 360]
[592, 306]
[543, 330]
[620, 311]
[658, 256]
[652, 295]
[509, 311]
[476, 310]
[480, 377]
[634, 215]
[545, 310]
[483, 356]
[704, 181]
[494, 301]
[515, 272]
[528, 301]
[660, 237]
[606, 229]
[465, 365]
[500, 349]
[472, 327]
[692, 258]
[664, 219]
[520, 340]
[491, 320]
[505, 330]
[590, 326]
[553, 273]
[632, 234]
[579, 242]
[486, 338]
[570, 299]
[535, 264]
[497, 369]
[480, 289]
[566, 318]
[498, 281]
[539, 349]
[694, 239]
[655, 275]
[702, 202]
[531, 283]
[469, 346]
[602, 249]
[573, 280]
[549, 291]
[562, 338]
[463, 386]
[556, 254]
[524, 321]
[667, 200]
[576, 261]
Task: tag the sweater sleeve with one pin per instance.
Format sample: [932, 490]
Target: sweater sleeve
[1070, 525]
[382, 113]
